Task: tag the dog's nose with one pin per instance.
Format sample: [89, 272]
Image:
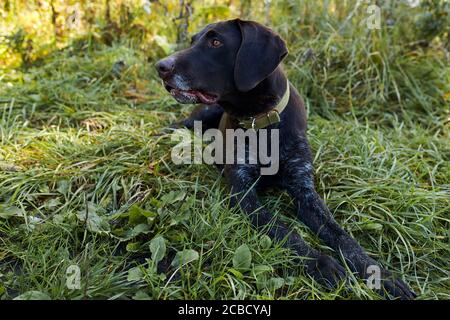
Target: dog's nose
[165, 67]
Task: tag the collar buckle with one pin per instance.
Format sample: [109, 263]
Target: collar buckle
[266, 119]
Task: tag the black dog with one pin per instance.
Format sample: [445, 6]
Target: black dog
[233, 69]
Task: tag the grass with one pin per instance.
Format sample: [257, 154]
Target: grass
[86, 177]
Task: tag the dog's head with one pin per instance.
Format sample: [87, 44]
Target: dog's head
[224, 58]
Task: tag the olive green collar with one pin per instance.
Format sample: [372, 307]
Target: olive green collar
[267, 118]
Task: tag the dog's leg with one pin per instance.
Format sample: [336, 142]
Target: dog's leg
[209, 115]
[297, 172]
[242, 178]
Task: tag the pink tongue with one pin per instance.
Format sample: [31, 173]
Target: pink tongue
[205, 98]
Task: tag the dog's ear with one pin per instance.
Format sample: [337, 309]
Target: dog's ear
[260, 53]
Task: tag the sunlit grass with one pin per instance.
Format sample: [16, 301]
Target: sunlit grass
[74, 136]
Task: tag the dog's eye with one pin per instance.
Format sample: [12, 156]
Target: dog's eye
[215, 43]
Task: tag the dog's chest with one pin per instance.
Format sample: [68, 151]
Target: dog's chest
[248, 145]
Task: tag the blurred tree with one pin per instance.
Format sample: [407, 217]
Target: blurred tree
[7, 5]
[434, 21]
[161, 25]
[186, 11]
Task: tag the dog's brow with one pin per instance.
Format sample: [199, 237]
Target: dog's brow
[205, 30]
[211, 32]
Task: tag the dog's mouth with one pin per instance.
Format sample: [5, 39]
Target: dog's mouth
[191, 96]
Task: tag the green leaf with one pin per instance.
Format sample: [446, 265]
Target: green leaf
[290, 281]
[184, 257]
[259, 269]
[33, 295]
[158, 248]
[52, 203]
[242, 258]
[173, 196]
[94, 223]
[141, 295]
[276, 283]
[8, 212]
[261, 281]
[135, 274]
[63, 186]
[133, 246]
[141, 228]
[137, 215]
[265, 242]
[129, 234]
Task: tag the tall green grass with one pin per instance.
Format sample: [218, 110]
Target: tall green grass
[78, 141]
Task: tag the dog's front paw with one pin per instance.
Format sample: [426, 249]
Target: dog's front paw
[395, 287]
[326, 270]
[383, 282]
